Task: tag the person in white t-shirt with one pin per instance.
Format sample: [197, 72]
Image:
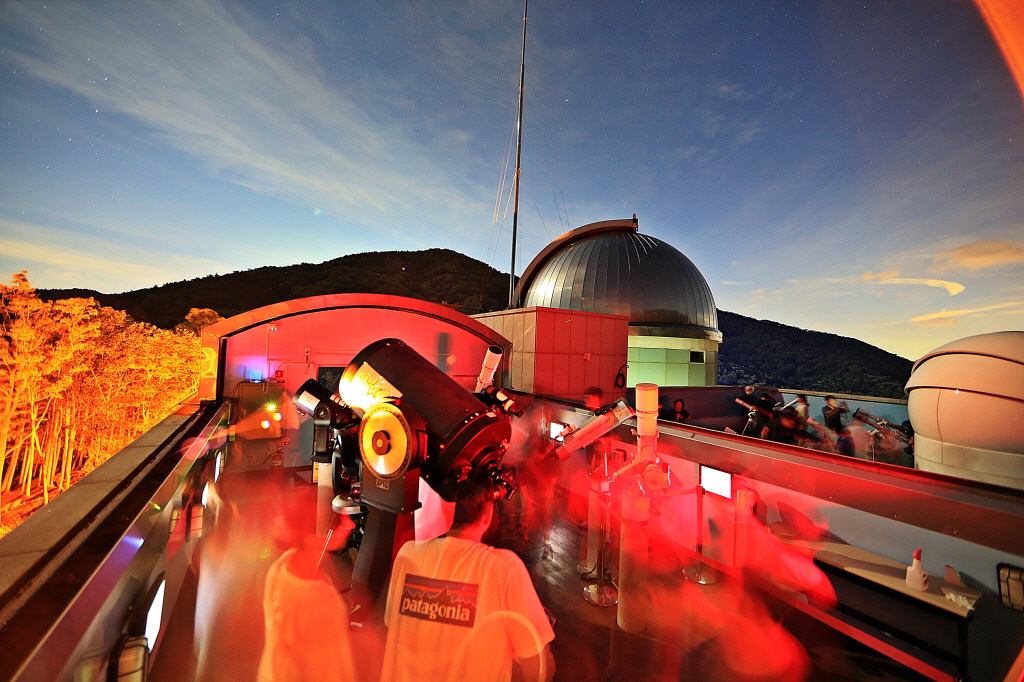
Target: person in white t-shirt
[307, 622]
[458, 609]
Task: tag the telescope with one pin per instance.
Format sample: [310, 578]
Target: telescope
[878, 423]
[416, 417]
[604, 420]
[335, 425]
[409, 420]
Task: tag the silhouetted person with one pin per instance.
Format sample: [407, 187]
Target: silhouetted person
[765, 415]
[747, 399]
[833, 414]
[908, 437]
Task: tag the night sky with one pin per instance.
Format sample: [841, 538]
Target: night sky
[851, 167]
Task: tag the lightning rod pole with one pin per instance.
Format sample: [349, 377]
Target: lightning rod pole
[519, 156]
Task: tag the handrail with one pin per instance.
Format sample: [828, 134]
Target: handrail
[48, 560]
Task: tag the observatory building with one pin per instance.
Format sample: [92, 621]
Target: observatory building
[609, 267]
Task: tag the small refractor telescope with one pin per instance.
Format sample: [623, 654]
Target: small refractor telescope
[879, 423]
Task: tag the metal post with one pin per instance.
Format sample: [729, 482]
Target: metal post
[519, 157]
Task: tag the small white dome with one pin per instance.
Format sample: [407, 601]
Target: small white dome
[966, 402]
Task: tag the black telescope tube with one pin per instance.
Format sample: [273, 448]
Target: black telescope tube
[444, 405]
[472, 436]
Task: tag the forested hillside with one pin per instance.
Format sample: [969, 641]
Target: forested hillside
[755, 351]
[767, 353]
[437, 275]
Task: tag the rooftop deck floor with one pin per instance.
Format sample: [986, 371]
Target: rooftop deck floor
[216, 629]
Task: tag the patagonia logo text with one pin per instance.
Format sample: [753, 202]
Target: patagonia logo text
[441, 601]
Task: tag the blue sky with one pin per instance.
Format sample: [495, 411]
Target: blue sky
[852, 167]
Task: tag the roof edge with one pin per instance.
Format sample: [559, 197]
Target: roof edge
[298, 306]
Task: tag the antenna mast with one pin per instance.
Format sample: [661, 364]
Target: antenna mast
[519, 156]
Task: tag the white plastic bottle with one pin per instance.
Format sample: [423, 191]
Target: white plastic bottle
[916, 576]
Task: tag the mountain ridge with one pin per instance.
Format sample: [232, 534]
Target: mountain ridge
[760, 352]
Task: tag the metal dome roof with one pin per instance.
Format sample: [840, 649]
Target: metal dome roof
[608, 267]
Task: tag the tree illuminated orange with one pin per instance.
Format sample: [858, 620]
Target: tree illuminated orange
[78, 382]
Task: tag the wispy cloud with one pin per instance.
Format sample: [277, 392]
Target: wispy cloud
[62, 256]
[939, 322]
[206, 79]
[980, 254]
[890, 277]
[947, 317]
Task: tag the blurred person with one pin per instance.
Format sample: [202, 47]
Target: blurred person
[739, 638]
[593, 398]
[678, 412]
[231, 564]
[759, 413]
[537, 475]
[598, 451]
[803, 411]
[787, 427]
[305, 619]
[792, 430]
[458, 609]
[747, 399]
[908, 437]
[833, 417]
[765, 417]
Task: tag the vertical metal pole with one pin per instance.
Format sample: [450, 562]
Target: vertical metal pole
[519, 156]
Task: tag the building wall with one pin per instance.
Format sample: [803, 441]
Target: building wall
[670, 361]
[560, 353]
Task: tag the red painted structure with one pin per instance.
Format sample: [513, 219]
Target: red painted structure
[285, 343]
[561, 353]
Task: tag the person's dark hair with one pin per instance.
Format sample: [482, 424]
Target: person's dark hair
[801, 396]
[472, 502]
[594, 390]
[682, 404]
[829, 397]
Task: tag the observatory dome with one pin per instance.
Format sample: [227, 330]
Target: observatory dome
[966, 402]
[609, 267]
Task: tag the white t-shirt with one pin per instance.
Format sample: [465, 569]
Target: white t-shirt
[459, 610]
[307, 631]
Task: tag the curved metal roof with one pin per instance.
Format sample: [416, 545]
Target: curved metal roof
[608, 267]
[1008, 345]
